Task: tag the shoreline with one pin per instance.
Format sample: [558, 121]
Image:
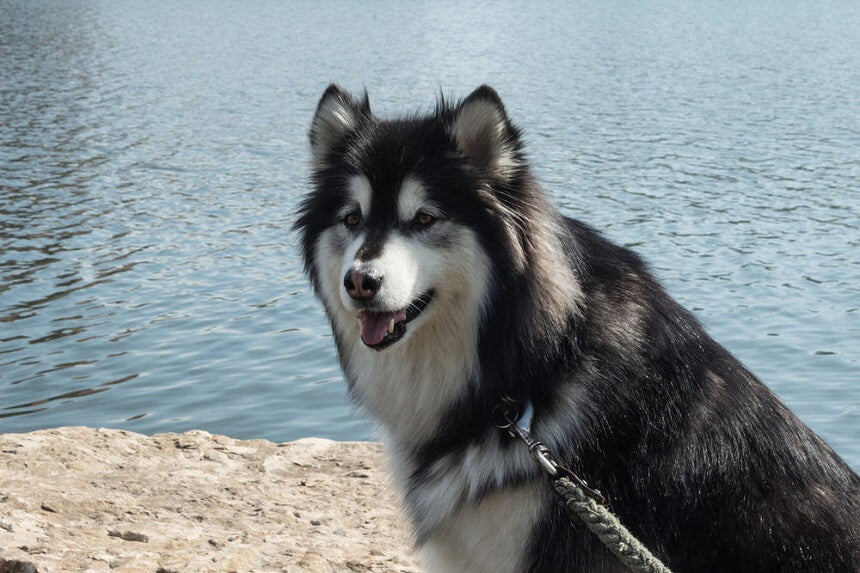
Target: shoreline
[92, 499]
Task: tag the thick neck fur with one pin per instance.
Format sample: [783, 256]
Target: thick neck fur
[408, 388]
[536, 301]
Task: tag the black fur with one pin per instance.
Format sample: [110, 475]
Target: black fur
[699, 459]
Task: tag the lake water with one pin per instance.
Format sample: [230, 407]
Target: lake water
[152, 154]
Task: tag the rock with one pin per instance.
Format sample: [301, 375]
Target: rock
[129, 536]
[196, 502]
[17, 567]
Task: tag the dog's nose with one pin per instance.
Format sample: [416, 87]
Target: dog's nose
[361, 286]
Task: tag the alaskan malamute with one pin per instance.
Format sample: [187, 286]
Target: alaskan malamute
[451, 282]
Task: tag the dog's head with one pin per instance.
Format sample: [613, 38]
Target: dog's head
[405, 214]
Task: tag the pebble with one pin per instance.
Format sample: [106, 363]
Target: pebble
[6, 524]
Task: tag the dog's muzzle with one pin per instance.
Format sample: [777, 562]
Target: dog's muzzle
[381, 329]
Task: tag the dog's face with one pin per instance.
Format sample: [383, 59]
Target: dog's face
[391, 230]
[386, 262]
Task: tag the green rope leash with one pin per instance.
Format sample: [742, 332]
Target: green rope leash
[583, 502]
[608, 528]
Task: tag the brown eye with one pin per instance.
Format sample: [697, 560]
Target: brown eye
[352, 219]
[424, 219]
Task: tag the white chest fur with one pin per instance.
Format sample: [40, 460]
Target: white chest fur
[489, 536]
[465, 528]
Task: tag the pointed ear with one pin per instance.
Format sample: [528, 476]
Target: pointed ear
[337, 114]
[483, 133]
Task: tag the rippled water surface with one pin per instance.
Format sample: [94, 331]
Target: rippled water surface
[151, 157]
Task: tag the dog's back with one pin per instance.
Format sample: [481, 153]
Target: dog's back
[703, 463]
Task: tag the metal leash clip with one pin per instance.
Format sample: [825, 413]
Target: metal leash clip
[518, 425]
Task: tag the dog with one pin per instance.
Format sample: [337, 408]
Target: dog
[452, 284]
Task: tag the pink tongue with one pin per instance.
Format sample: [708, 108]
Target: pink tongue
[374, 325]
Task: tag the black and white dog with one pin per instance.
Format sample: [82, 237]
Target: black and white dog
[451, 282]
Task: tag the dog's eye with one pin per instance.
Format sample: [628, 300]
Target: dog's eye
[352, 219]
[424, 219]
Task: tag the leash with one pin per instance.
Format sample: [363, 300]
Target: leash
[581, 501]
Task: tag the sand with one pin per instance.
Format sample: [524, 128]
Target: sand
[86, 499]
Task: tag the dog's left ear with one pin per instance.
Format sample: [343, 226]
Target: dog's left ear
[483, 134]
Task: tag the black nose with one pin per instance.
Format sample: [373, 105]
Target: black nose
[361, 286]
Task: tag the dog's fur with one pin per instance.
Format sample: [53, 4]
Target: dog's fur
[699, 459]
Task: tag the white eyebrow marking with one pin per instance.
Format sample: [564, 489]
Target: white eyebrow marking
[361, 191]
[412, 197]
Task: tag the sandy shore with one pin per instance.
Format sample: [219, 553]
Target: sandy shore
[84, 499]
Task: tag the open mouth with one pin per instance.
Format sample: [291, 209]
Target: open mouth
[382, 329]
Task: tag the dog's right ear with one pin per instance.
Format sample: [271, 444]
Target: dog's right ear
[337, 114]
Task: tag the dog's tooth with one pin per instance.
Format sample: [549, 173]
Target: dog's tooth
[391, 326]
